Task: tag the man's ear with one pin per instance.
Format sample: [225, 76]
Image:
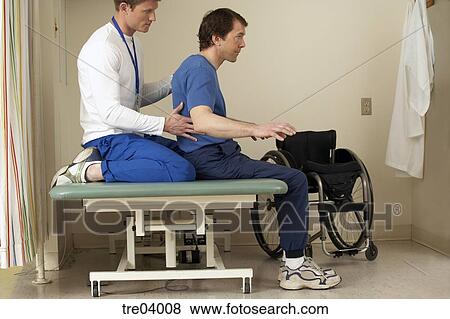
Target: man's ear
[123, 7]
[217, 40]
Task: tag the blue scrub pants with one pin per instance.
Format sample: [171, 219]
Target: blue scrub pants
[132, 158]
[225, 161]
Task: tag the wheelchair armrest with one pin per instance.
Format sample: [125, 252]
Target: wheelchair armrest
[344, 155]
[315, 184]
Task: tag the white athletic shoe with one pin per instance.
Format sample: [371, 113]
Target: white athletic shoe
[75, 172]
[309, 276]
[328, 272]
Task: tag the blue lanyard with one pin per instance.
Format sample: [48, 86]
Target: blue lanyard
[133, 58]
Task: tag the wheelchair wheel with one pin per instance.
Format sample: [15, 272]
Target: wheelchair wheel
[264, 217]
[265, 226]
[349, 230]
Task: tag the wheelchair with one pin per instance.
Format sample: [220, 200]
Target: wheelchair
[342, 193]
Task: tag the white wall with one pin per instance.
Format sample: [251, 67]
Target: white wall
[295, 48]
[431, 200]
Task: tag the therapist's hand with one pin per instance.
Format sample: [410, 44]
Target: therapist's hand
[179, 125]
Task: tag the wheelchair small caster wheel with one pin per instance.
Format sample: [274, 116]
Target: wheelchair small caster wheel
[309, 251]
[95, 291]
[371, 252]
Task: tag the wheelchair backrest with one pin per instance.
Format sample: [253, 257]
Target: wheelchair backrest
[310, 146]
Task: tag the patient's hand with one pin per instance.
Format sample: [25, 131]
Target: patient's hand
[179, 125]
[276, 130]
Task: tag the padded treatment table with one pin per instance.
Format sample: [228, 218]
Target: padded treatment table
[198, 198]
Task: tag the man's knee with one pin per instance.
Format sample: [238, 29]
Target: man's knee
[301, 177]
[297, 183]
[183, 171]
[298, 179]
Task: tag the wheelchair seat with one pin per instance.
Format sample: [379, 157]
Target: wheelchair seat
[315, 152]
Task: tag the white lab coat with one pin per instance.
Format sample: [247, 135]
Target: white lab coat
[406, 143]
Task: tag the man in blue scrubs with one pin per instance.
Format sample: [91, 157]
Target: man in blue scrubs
[216, 156]
[121, 143]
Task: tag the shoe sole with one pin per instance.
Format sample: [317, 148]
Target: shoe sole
[61, 171]
[84, 155]
[311, 288]
[280, 276]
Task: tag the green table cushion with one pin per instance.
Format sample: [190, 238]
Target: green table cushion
[197, 188]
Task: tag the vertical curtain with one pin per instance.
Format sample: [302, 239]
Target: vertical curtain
[17, 211]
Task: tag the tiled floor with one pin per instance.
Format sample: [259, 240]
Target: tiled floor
[403, 269]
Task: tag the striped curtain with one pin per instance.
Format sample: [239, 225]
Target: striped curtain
[17, 211]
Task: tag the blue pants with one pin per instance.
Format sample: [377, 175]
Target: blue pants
[132, 158]
[225, 161]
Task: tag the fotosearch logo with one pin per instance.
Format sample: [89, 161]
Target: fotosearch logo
[230, 220]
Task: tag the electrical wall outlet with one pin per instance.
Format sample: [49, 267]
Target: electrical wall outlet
[366, 106]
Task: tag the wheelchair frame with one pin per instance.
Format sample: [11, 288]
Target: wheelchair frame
[326, 208]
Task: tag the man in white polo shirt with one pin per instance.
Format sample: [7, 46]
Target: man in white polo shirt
[121, 144]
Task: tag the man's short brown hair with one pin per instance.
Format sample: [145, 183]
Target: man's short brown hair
[218, 22]
[132, 3]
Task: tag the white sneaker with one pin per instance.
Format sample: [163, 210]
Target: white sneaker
[309, 276]
[75, 172]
